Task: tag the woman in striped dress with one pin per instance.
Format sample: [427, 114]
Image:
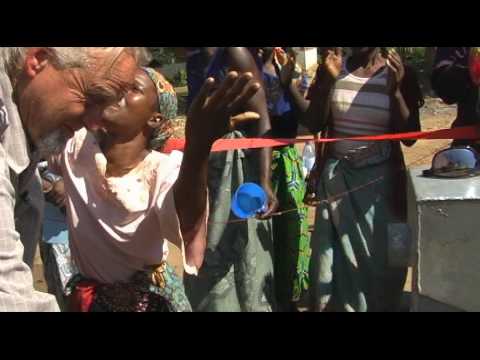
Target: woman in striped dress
[360, 185]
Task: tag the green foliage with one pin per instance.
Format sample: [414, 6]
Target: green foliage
[163, 55]
[180, 79]
[414, 56]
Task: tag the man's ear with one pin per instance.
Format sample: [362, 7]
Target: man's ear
[36, 60]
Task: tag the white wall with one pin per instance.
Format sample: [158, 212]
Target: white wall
[306, 57]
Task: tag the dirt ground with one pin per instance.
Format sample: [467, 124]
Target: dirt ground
[434, 115]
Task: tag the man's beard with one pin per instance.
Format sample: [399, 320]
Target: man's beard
[52, 143]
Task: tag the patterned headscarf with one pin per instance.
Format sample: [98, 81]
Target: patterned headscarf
[167, 106]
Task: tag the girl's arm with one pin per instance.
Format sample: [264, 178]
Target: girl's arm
[406, 96]
[209, 118]
[316, 116]
[242, 61]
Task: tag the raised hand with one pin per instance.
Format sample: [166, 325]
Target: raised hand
[332, 62]
[214, 114]
[396, 71]
[285, 66]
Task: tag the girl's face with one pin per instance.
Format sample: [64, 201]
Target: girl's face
[131, 114]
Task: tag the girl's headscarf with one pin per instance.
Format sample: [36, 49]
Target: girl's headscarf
[167, 106]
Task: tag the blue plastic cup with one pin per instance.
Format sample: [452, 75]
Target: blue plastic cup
[249, 200]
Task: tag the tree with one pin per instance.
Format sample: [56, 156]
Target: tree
[421, 58]
[163, 55]
[428, 67]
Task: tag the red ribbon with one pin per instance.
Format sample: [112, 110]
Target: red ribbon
[459, 133]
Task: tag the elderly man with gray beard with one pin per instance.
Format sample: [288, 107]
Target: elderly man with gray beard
[46, 94]
[50, 93]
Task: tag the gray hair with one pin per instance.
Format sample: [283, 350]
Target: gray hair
[144, 56]
[12, 58]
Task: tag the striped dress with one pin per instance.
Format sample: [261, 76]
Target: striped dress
[359, 106]
[348, 267]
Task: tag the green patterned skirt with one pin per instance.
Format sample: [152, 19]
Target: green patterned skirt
[290, 230]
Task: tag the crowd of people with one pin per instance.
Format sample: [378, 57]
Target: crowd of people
[84, 173]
